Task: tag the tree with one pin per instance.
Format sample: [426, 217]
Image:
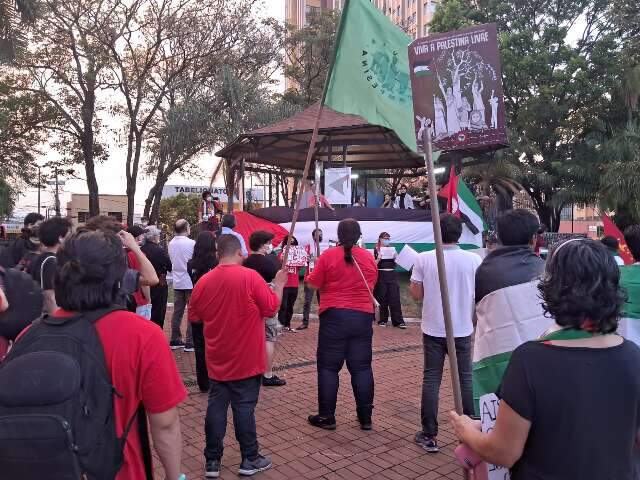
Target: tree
[66, 67]
[308, 55]
[554, 87]
[15, 15]
[180, 206]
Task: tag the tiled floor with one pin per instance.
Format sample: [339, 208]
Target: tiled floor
[300, 451]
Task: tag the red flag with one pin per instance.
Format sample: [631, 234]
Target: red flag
[611, 230]
[450, 192]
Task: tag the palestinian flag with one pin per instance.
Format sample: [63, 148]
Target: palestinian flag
[412, 228]
[422, 69]
[611, 230]
[629, 326]
[462, 203]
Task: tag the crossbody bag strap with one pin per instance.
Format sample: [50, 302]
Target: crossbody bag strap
[42, 265]
[373, 298]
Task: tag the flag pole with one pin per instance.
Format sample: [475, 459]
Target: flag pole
[314, 138]
[442, 274]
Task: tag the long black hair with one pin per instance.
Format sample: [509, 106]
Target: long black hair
[348, 235]
[89, 270]
[581, 286]
[204, 253]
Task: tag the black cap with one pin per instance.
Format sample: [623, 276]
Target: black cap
[136, 231]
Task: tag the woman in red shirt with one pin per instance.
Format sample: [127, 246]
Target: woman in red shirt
[346, 324]
[290, 293]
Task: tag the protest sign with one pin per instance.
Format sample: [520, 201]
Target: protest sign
[387, 253]
[489, 406]
[457, 89]
[298, 256]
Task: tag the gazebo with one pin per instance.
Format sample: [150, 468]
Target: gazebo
[344, 140]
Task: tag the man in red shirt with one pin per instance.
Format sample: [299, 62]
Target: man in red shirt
[232, 302]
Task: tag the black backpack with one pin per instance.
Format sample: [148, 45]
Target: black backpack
[27, 261]
[25, 302]
[56, 404]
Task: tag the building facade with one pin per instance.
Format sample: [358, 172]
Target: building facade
[413, 16]
[112, 205]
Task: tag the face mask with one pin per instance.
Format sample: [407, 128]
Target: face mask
[386, 241]
[269, 249]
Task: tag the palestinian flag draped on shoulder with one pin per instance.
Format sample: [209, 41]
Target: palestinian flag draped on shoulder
[370, 75]
[462, 203]
[629, 326]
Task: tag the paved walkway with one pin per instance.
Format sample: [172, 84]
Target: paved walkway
[300, 451]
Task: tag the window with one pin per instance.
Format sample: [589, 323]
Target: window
[310, 12]
[82, 217]
[565, 213]
[116, 215]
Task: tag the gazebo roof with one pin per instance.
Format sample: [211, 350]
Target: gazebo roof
[285, 143]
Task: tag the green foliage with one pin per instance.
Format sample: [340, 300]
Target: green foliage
[560, 65]
[180, 206]
[309, 51]
[8, 196]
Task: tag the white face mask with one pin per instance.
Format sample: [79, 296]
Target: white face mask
[269, 249]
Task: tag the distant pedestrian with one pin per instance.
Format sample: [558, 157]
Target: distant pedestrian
[142, 296]
[162, 265]
[345, 276]
[387, 290]
[228, 225]
[180, 252]
[207, 212]
[425, 286]
[232, 302]
[312, 251]
[290, 293]
[613, 245]
[24, 249]
[359, 201]
[403, 200]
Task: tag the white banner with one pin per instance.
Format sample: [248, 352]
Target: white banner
[253, 194]
[337, 185]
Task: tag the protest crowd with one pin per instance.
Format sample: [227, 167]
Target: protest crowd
[98, 357]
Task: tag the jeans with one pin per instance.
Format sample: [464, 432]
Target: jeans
[387, 292]
[243, 397]
[435, 349]
[144, 311]
[289, 296]
[345, 335]
[308, 298]
[180, 302]
[159, 295]
[202, 374]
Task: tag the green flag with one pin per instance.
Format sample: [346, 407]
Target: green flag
[370, 75]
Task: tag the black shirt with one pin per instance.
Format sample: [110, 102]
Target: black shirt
[197, 269]
[48, 269]
[386, 263]
[265, 265]
[20, 247]
[158, 257]
[584, 409]
[505, 267]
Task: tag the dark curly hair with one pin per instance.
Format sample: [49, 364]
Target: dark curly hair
[581, 285]
[90, 266]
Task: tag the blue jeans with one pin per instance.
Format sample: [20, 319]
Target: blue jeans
[243, 397]
[345, 335]
[435, 349]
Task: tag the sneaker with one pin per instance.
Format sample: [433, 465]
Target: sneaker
[304, 326]
[273, 381]
[403, 326]
[189, 347]
[176, 344]
[365, 421]
[288, 329]
[327, 423]
[428, 443]
[382, 324]
[257, 465]
[212, 469]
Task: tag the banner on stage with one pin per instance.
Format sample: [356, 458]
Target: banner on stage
[457, 89]
[298, 256]
[337, 185]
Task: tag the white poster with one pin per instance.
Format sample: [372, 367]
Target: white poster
[489, 406]
[337, 185]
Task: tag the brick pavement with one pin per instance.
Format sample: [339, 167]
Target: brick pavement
[300, 451]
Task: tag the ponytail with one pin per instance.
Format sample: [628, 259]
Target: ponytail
[348, 235]
[348, 255]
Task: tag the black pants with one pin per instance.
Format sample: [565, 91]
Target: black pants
[243, 397]
[285, 314]
[435, 349]
[345, 335]
[387, 292]
[308, 298]
[159, 296]
[202, 374]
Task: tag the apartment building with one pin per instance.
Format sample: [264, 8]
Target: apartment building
[412, 15]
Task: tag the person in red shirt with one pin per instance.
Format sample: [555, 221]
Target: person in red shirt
[142, 368]
[290, 293]
[345, 276]
[232, 302]
[142, 296]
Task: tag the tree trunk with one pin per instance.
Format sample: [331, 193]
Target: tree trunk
[132, 178]
[88, 110]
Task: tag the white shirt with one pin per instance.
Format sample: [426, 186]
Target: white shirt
[461, 269]
[180, 252]
[243, 247]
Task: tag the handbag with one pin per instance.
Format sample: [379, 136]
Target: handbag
[376, 304]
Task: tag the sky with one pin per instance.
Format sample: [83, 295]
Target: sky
[111, 174]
